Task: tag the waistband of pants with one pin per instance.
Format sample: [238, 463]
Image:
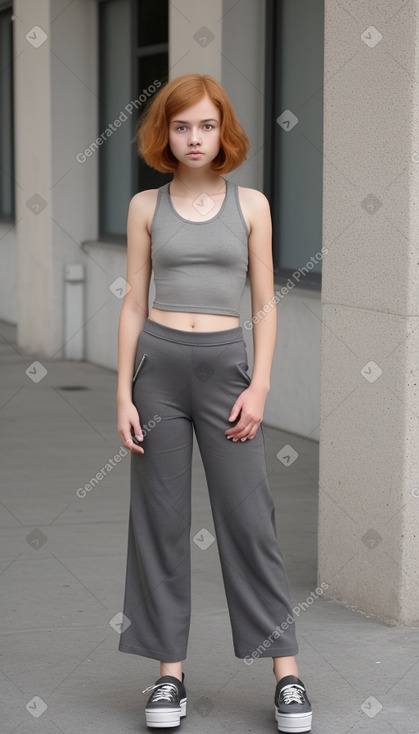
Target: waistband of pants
[200, 338]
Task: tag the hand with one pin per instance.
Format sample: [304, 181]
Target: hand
[128, 419]
[250, 403]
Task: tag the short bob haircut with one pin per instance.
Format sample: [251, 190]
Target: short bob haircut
[153, 126]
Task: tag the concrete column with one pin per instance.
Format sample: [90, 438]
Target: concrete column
[56, 118]
[243, 77]
[36, 330]
[195, 33]
[369, 429]
[224, 39]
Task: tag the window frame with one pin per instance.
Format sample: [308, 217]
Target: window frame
[273, 52]
[5, 218]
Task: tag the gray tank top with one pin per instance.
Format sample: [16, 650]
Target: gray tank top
[199, 266]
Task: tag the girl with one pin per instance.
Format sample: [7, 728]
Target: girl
[183, 367]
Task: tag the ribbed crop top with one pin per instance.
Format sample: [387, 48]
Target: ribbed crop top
[199, 266]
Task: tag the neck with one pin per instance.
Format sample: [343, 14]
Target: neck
[189, 182]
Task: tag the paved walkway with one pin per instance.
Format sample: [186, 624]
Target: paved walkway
[62, 567]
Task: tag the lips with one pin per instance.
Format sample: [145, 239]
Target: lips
[195, 153]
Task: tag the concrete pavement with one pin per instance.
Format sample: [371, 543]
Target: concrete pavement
[62, 567]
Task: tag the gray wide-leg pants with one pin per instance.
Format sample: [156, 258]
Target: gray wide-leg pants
[190, 380]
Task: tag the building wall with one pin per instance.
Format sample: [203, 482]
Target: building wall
[369, 458]
[8, 273]
[55, 113]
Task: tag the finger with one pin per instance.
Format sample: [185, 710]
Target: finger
[138, 432]
[130, 445]
[234, 412]
[241, 431]
[237, 430]
[125, 439]
[247, 432]
[137, 449]
[238, 427]
[254, 430]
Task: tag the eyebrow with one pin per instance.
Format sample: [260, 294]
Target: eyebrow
[208, 119]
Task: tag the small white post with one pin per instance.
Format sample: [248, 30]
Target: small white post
[74, 312]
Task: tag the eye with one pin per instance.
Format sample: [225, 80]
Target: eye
[208, 126]
[181, 127]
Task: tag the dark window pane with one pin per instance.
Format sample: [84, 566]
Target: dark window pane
[150, 69]
[148, 178]
[293, 163]
[152, 22]
[299, 152]
[7, 190]
[115, 95]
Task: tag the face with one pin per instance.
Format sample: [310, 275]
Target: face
[194, 133]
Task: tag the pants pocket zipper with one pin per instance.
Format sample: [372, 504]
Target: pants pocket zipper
[244, 373]
[138, 368]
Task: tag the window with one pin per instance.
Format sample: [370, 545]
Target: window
[7, 189]
[133, 48]
[294, 142]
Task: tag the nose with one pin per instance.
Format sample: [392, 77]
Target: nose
[194, 137]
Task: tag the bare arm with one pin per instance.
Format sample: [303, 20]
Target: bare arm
[262, 290]
[134, 309]
[250, 403]
[134, 312]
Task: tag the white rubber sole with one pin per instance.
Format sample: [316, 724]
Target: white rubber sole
[293, 723]
[166, 717]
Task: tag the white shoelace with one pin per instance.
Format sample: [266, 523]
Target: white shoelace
[292, 693]
[167, 691]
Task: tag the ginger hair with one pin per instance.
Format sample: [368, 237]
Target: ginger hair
[152, 133]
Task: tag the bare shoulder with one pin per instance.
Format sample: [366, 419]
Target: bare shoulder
[254, 204]
[144, 199]
[253, 198]
[142, 206]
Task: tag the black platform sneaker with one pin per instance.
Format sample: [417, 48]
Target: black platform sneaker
[293, 712]
[167, 703]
